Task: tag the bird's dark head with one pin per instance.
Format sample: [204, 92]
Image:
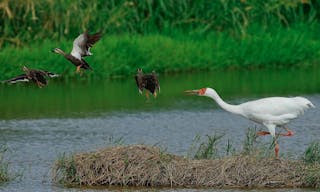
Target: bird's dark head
[139, 71]
[199, 92]
[58, 51]
[25, 69]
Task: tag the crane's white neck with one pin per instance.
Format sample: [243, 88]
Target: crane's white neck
[214, 95]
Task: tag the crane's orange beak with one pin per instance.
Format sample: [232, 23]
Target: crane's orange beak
[192, 92]
[199, 92]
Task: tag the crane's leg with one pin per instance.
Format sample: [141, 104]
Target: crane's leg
[155, 94]
[263, 133]
[147, 94]
[289, 132]
[276, 145]
[276, 148]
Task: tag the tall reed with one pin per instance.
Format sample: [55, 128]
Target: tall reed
[121, 55]
[25, 21]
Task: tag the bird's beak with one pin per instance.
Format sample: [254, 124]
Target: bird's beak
[192, 92]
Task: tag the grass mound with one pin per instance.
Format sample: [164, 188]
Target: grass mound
[140, 165]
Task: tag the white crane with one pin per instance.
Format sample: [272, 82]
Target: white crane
[271, 112]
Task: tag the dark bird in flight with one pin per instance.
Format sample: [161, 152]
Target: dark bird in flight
[81, 49]
[34, 75]
[149, 82]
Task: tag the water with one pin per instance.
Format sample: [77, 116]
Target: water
[39, 125]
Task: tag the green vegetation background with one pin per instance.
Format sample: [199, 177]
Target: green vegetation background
[164, 35]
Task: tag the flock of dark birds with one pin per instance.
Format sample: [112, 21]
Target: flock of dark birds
[81, 49]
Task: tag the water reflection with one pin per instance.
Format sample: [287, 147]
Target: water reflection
[79, 98]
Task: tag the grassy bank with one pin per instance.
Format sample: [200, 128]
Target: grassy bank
[175, 51]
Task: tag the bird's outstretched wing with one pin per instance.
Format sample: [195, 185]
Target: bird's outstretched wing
[151, 82]
[157, 84]
[19, 78]
[91, 40]
[83, 43]
[139, 82]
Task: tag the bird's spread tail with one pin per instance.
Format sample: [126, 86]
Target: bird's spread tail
[52, 75]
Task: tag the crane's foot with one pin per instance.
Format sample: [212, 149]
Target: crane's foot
[263, 133]
[288, 134]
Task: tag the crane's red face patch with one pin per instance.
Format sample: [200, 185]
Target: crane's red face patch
[202, 91]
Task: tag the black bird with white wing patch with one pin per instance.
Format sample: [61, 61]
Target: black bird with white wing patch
[34, 75]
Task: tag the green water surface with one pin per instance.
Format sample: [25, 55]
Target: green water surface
[82, 97]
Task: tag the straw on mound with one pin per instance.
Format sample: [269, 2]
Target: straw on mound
[140, 165]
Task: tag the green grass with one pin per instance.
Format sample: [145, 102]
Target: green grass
[312, 153]
[210, 147]
[4, 169]
[175, 51]
[311, 157]
[67, 170]
[26, 21]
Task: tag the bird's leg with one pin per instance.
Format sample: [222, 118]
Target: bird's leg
[78, 68]
[147, 94]
[263, 133]
[155, 94]
[276, 148]
[288, 134]
[39, 84]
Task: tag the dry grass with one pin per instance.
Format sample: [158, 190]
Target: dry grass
[140, 165]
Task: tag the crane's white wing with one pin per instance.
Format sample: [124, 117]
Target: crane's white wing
[278, 110]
